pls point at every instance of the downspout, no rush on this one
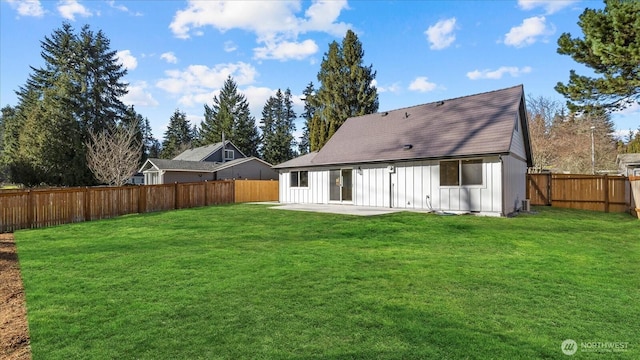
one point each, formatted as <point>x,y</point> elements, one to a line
<point>390,191</point>
<point>502,187</point>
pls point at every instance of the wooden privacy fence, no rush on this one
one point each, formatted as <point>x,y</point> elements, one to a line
<point>588,192</point>
<point>25,209</point>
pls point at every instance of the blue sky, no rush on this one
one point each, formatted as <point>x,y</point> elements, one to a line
<point>178,53</point>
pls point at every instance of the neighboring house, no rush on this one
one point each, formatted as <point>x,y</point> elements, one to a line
<point>628,164</point>
<point>468,154</point>
<point>207,163</point>
<point>136,179</point>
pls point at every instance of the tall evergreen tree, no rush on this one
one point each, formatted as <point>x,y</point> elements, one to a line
<point>610,48</point>
<point>633,145</point>
<point>277,128</point>
<point>307,116</point>
<point>7,120</point>
<point>346,89</point>
<point>178,137</point>
<point>230,115</point>
<point>77,90</point>
<point>144,135</point>
<point>50,149</point>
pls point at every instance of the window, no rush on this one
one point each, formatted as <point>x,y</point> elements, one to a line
<point>461,172</point>
<point>471,171</point>
<point>449,174</point>
<point>228,154</point>
<point>299,178</point>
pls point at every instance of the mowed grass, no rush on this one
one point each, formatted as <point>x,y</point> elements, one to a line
<point>249,282</point>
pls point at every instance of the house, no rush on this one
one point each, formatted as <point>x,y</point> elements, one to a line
<point>468,154</point>
<point>628,164</point>
<point>207,163</point>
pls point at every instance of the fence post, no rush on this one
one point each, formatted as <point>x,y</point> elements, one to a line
<point>87,204</point>
<point>176,198</point>
<point>549,189</point>
<point>206,203</point>
<point>605,188</point>
<point>29,209</point>
<point>142,199</point>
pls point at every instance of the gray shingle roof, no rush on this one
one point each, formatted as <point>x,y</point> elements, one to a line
<point>199,153</point>
<point>472,125</point>
<point>199,166</point>
<point>183,165</point>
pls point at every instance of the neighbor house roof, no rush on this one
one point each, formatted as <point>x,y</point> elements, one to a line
<point>180,165</point>
<point>201,153</point>
<point>196,166</point>
<point>628,159</point>
<point>473,125</point>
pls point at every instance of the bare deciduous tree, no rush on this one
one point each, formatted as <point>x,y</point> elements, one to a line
<point>114,154</point>
<point>562,142</point>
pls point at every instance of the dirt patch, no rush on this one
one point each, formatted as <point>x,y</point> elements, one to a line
<point>14,331</point>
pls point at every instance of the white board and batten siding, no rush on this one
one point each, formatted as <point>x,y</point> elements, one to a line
<point>416,185</point>
<point>316,193</point>
<point>412,185</point>
<point>515,172</point>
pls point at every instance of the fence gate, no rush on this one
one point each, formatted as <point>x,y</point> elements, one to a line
<point>539,189</point>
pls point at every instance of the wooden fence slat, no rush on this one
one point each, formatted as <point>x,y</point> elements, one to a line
<point>588,192</point>
<point>22,209</point>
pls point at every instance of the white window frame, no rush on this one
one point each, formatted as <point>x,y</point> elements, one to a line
<point>460,179</point>
<point>229,154</point>
<point>298,177</point>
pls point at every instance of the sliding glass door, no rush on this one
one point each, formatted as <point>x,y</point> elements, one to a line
<point>341,185</point>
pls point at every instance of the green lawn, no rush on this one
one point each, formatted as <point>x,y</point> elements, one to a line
<point>245,281</point>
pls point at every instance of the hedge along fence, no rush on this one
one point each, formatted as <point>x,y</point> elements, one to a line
<point>27,209</point>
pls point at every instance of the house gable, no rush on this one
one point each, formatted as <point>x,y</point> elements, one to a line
<point>211,153</point>
<point>470,126</point>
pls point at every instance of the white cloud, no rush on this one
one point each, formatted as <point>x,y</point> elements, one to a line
<point>497,74</point>
<point>27,7</point>
<point>322,16</point>
<point>113,4</point>
<point>169,57</point>
<point>122,8</point>
<point>286,50</point>
<point>550,6</point>
<point>257,97</point>
<point>197,83</point>
<point>528,32</point>
<point>138,95</point>
<point>393,88</point>
<point>230,46</point>
<point>68,9</point>
<point>422,84</point>
<point>631,109</point>
<point>275,23</point>
<point>441,34</point>
<point>127,60</point>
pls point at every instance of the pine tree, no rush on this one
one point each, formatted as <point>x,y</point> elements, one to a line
<point>144,134</point>
<point>77,90</point>
<point>277,128</point>
<point>307,116</point>
<point>610,48</point>
<point>346,89</point>
<point>178,136</point>
<point>633,145</point>
<point>7,120</point>
<point>50,149</point>
<point>230,115</point>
